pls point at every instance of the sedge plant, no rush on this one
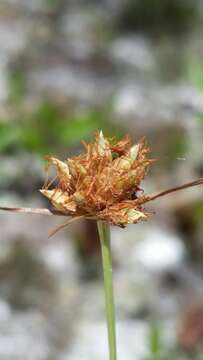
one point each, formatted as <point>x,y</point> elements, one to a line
<point>102,184</point>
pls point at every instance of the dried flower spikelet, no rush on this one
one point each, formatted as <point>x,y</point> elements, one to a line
<point>78,197</point>
<point>60,200</point>
<point>131,170</point>
<point>102,146</point>
<point>133,216</point>
<point>122,146</point>
<point>62,170</point>
<point>125,162</point>
<point>61,166</point>
<point>102,182</point>
<point>126,216</point>
<point>76,169</point>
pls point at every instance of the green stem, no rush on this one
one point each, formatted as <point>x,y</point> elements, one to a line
<point>104,234</point>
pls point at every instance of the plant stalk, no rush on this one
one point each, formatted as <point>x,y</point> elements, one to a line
<point>104,235</point>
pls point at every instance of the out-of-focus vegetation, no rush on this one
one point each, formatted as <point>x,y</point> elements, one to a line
<point>158,350</point>
<point>155,342</point>
<point>195,74</point>
<point>169,15</point>
<point>48,129</point>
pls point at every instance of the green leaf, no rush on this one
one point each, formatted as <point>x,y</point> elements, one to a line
<point>9,135</point>
<point>80,127</point>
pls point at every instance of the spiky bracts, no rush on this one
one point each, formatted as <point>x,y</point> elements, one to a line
<point>101,183</point>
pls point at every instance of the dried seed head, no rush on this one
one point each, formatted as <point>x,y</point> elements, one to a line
<point>102,182</point>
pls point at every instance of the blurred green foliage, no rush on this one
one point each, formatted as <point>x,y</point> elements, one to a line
<point>154,341</point>
<point>178,148</point>
<point>195,74</point>
<point>167,15</point>
<point>17,87</point>
<point>197,213</point>
<point>9,136</point>
<point>48,129</point>
<point>173,145</point>
<point>158,350</point>
<point>51,2</point>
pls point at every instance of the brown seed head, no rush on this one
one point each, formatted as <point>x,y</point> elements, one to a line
<point>103,182</point>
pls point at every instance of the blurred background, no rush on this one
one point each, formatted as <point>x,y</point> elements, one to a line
<point>67,69</point>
